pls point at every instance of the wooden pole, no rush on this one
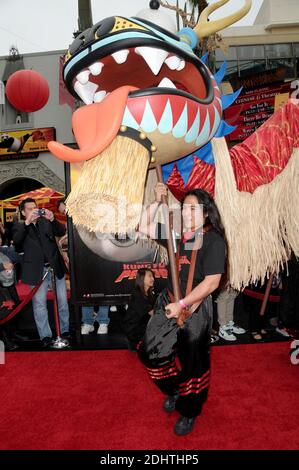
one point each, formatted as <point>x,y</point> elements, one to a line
<point>170,246</point>
<point>266,296</point>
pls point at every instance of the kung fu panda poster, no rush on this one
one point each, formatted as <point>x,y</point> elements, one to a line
<point>103,268</point>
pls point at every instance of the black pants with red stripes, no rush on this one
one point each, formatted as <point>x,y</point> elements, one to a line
<point>189,378</point>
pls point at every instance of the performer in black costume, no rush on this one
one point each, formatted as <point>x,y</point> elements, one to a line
<point>186,386</point>
<point>140,307</point>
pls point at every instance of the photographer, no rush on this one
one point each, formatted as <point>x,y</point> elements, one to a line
<point>37,235</point>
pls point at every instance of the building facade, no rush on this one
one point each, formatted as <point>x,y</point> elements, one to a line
<point>271,43</point>
<point>43,170</point>
<point>267,51</point>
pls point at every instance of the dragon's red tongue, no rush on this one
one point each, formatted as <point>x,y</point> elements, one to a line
<point>95,126</point>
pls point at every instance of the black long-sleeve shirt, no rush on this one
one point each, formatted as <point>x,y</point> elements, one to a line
<point>137,315</point>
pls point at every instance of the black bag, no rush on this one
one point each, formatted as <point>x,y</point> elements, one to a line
<point>159,342</point>
<point>158,346</point>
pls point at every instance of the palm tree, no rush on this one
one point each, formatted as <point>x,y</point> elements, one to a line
<point>198,5</point>
<point>190,18</point>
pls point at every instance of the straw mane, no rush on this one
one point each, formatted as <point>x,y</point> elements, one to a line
<point>108,195</point>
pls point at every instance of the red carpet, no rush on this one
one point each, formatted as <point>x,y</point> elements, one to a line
<point>104,400</point>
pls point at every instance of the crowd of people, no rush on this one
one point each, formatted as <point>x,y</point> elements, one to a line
<point>34,235</point>
<point>157,326</point>
<point>38,241</point>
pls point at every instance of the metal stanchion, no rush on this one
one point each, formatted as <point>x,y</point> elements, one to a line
<point>59,343</point>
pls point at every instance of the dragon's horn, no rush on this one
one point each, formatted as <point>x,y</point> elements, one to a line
<point>206,28</point>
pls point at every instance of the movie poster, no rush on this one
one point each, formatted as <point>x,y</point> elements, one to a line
<point>25,143</point>
<point>104,269</point>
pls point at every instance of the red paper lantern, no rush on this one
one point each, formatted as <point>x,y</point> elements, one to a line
<point>27,90</point>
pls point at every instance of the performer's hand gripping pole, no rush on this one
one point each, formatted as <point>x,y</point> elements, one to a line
<point>170,245</point>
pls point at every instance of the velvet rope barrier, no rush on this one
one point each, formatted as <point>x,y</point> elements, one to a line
<point>24,302</point>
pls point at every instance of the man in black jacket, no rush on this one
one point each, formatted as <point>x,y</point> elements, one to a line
<point>36,236</point>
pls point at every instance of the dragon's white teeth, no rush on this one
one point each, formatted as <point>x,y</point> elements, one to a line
<point>82,77</point>
<point>166,83</point>
<point>121,56</point>
<point>173,62</point>
<point>86,92</point>
<point>153,57</point>
<point>96,68</point>
<point>181,66</point>
<point>99,96</point>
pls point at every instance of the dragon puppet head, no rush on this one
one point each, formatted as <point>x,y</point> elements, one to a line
<point>145,83</point>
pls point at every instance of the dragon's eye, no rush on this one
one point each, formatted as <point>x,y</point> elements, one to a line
<point>104,27</point>
<point>99,29</point>
<point>77,43</point>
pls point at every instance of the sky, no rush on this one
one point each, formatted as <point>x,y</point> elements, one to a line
<point>43,25</point>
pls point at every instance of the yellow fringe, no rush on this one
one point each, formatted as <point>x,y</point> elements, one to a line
<point>107,196</point>
<point>261,228</point>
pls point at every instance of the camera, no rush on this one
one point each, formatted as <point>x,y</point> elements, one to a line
<point>41,212</point>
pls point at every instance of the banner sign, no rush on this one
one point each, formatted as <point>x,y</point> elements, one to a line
<point>252,108</point>
<point>25,142</point>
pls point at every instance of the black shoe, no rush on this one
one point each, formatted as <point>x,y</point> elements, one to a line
<point>20,337</point>
<point>10,345</point>
<point>214,339</point>
<point>183,425</point>
<point>66,335</point>
<point>169,403</point>
<point>46,342</point>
